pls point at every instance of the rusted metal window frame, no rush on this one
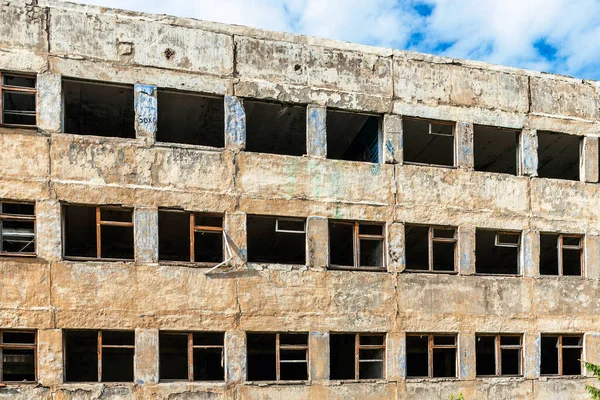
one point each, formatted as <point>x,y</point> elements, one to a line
<point>430,348</point>
<point>190,355</point>
<point>279,347</point>
<point>19,217</point>
<point>560,351</point>
<point>21,89</point>
<point>102,346</point>
<point>561,247</point>
<point>356,238</point>
<point>19,346</point>
<point>358,360</point>
<point>431,122</point>
<point>498,347</point>
<point>431,239</point>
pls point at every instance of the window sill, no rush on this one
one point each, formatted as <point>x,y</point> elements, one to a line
<point>425,271</point>
<point>97,139</point>
<point>187,264</point>
<point>278,383</point>
<point>258,266</point>
<point>19,255</point>
<point>426,379</point>
<point>201,147</point>
<point>357,381</point>
<point>10,383</point>
<point>101,260</point>
<point>348,268</point>
<point>487,275</point>
<point>418,164</point>
<point>188,382</point>
<point>553,377</point>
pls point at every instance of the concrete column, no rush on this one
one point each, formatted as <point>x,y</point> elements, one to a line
<point>318,348</point>
<point>235,123</point>
<point>531,350</point>
<point>591,255</point>
<point>145,226</point>
<point>49,102</point>
<point>589,159</point>
<point>236,232</point>
<point>48,230</point>
<point>528,152</point>
<point>466,250</point>
<point>591,350</point>
<point>317,233</point>
<point>464,146</point>
<point>146,112</point>
<point>530,253</point>
<point>466,356</point>
<point>50,357</point>
<point>146,356</point>
<point>316,135</point>
<point>396,356</point>
<point>392,139</point>
<point>396,259</point>
<point>235,356</point>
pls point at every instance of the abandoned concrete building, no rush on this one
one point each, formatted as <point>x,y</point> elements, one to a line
<point>192,210</point>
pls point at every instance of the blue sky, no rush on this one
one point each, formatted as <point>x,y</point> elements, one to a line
<point>559,36</point>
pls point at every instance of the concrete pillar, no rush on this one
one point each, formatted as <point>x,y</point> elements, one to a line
<point>317,233</point>
<point>591,350</point>
<point>235,356</point>
<point>589,159</point>
<point>531,349</point>
<point>146,356</point>
<point>466,250</point>
<point>235,123</point>
<point>591,256</point>
<point>50,357</point>
<point>318,348</point>
<point>528,152</point>
<point>396,356</point>
<point>464,146</point>
<point>145,226</point>
<point>530,253</point>
<point>316,135</point>
<point>146,112</point>
<point>396,259</point>
<point>236,232</point>
<point>466,356</point>
<point>392,139</point>
<point>49,102</point>
<point>48,230</point>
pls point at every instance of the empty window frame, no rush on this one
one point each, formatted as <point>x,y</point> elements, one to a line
<point>428,142</point>
<point>275,128</point>
<point>355,356</point>
<point>18,100</point>
<point>278,240</point>
<point>431,355</point>
<point>94,232</point>
<point>277,356</point>
<point>561,254</point>
<point>497,252</point>
<point>191,356</point>
<point>353,136</point>
<point>496,149</point>
<point>499,355</point>
<point>558,155</point>
<point>98,108</point>
<point>354,245</point>
<point>190,237</point>
<point>18,356</point>
<point>17,229</point>
<point>191,118</point>
<point>99,356</point>
<point>561,354</point>
<point>430,248</point>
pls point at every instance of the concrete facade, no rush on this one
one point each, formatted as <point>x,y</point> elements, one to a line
<point>49,294</point>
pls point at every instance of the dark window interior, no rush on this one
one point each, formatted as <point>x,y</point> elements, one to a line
<point>18,365</point>
<point>417,247</point>
<point>558,155</point>
<point>549,356</point>
<point>444,359</point>
<point>81,356</point>
<point>18,107</point>
<point>209,361</point>
<point>492,259</point>
<point>571,258</point>
<point>173,236</point>
<point>371,253</point>
<point>371,360</point>
<point>485,355</point>
<point>549,250</point>
<point>98,109</point>
<point>342,348</point>
<point>293,365</point>
<point>341,244</point>
<point>495,149</point>
<point>352,136</point>
<point>423,147</point>
<point>190,119</point>
<point>265,245</point>
<point>261,357</point>
<point>417,356</point>
<point>17,236</point>
<point>275,128</point>
<point>510,360</point>
<point>117,363</point>
<point>173,356</point>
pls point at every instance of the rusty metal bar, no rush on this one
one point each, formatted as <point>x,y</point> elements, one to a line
<point>16,217</point>
<point>192,236</point>
<point>357,355</point>
<point>98,234</point>
<point>356,241</point>
<point>117,223</point>
<point>498,351</point>
<point>430,356</point>
<point>277,357</point>
<point>560,358</point>
<point>201,228</point>
<point>190,356</point>
<point>99,356</point>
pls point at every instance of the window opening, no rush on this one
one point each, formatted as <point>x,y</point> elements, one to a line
<point>192,356</point>
<point>499,355</point>
<point>276,240</point>
<point>354,245</point>
<point>561,354</point>
<point>18,356</point>
<point>496,149</point>
<point>17,229</point>
<point>497,252</point>
<point>353,136</point>
<point>561,254</point>
<point>558,155</point>
<point>430,356</point>
<point>18,100</point>
<point>428,142</point>
<point>277,356</point>
<point>430,248</point>
<point>355,356</point>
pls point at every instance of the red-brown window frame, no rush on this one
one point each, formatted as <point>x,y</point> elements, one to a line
<point>358,347</point>
<point>19,346</point>
<point>20,217</point>
<point>431,346</point>
<point>498,347</point>
<point>356,238</point>
<point>9,88</point>
<point>431,239</point>
<point>561,247</point>
<point>203,228</point>
<point>560,351</point>
<point>190,355</point>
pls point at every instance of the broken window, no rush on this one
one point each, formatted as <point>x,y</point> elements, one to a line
<point>275,128</point>
<point>17,229</point>
<point>495,149</point>
<point>99,356</point>
<point>191,356</point>
<point>277,356</point>
<point>357,355</point>
<point>353,136</point>
<point>99,109</point>
<point>497,252</point>
<point>499,355</point>
<point>356,245</point>
<point>190,118</point>
<point>18,356</point>
<point>431,356</point>
<point>430,248</point>
<point>276,240</point>
<point>558,155</point>
<point>561,354</point>
<point>561,254</point>
<point>92,232</point>
<point>190,237</point>
<point>428,142</point>
<point>18,100</point>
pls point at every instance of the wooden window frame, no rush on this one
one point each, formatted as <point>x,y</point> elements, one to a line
<point>102,346</point>
<point>279,347</point>
<point>18,89</point>
<point>560,351</point>
<point>562,247</point>
<point>431,239</point>
<point>431,346</point>
<point>358,347</point>
<point>19,346</point>
<point>204,229</point>
<point>498,347</point>
<point>190,355</point>
<point>356,238</point>
<point>19,217</point>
